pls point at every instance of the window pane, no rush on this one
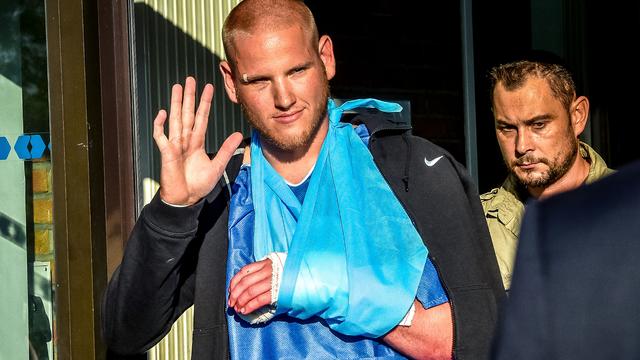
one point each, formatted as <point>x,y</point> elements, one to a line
<point>26,223</point>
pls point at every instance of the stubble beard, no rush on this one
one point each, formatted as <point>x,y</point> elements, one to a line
<point>296,142</point>
<point>558,167</point>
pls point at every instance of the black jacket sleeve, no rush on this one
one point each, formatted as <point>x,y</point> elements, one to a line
<point>155,282</point>
<point>444,204</point>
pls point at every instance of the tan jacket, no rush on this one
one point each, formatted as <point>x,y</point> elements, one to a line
<point>504,208</point>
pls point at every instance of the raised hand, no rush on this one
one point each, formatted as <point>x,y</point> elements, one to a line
<point>187,174</point>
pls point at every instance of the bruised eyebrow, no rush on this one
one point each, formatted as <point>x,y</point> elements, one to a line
<point>248,79</point>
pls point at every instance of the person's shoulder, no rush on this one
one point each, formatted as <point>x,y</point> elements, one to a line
<point>386,125</point>
<point>430,148</point>
<point>622,186</point>
<point>629,172</point>
<point>496,199</point>
<point>376,121</point>
<point>503,198</point>
<point>624,178</point>
<point>598,168</point>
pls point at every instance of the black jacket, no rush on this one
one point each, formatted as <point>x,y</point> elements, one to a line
<point>176,257</point>
<point>576,283</point>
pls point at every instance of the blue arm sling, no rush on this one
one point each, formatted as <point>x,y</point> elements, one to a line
<point>354,257</point>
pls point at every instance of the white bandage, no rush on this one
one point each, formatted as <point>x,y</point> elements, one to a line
<point>267,312</point>
<point>259,316</point>
<point>277,268</point>
<point>408,318</point>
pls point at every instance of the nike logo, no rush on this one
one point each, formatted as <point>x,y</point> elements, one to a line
<point>430,163</point>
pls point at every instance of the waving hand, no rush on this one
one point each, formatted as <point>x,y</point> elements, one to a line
<point>187,173</point>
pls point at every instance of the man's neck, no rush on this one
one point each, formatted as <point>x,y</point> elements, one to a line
<point>294,165</point>
<point>575,177</point>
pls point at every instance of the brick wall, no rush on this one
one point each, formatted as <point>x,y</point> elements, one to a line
<point>41,243</point>
<point>42,210</point>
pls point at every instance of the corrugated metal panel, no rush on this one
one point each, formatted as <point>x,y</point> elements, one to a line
<point>173,39</point>
<point>177,344</point>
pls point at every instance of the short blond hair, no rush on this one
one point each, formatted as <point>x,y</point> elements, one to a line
<point>250,16</point>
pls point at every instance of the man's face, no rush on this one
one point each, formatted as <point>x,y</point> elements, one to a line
<point>282,85</point>
<point>535,133</point>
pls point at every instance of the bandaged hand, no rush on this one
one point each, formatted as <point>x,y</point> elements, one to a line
<point>253,291</point>
<point>408,318</point>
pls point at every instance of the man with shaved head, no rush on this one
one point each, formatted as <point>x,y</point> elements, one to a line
<point>321,236</point>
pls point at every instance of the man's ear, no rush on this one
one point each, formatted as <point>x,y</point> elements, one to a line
<point>579,114</point>
<point>229,85</point>
<point>325,49</point>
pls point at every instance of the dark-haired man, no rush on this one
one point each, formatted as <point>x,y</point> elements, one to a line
<point>538,118</point>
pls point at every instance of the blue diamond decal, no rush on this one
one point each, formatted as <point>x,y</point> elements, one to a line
<point>37,146</point>
<point>5,148</point>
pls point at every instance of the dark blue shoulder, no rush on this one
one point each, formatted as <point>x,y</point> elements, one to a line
<point>376,120</point>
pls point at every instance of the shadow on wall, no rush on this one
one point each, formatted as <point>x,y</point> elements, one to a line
<point>12,231</point>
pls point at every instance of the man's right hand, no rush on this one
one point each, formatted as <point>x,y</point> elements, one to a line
<point>187,174</point>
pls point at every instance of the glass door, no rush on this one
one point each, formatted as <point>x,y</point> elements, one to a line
<point>26,223</point>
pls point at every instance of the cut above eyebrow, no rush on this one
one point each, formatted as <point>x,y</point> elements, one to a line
<point>247,79</point>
